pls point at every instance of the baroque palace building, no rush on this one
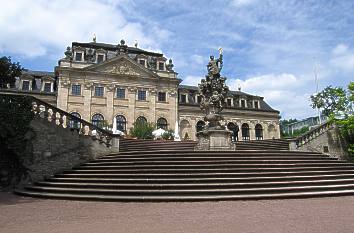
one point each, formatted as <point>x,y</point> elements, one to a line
<point>105,83</point>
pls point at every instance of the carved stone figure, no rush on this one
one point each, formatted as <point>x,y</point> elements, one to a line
<point>68,53</point>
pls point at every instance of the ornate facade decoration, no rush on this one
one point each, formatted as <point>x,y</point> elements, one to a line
<point>123,68</point>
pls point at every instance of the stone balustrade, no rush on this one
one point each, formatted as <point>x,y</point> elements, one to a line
<point>310,135</point>
<point>61,118</point>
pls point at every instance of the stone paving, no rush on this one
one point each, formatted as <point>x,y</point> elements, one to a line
<point>22,214</point>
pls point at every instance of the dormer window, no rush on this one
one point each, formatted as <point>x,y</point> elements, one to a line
<point>78,56</point>
<point>161,66</point>
<point>256,104</point>
<point>199,99</point>
<point>100,58</point>
<point>228,102</point>
<point>243,103</point>
<point>142,62</point>
<point>183,98</point>
<point>25,85</point>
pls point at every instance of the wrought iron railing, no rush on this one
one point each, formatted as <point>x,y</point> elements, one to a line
<point>310,135</point>
<point>62,118</point>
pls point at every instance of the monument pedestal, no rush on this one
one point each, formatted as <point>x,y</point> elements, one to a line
<point>214,139</point>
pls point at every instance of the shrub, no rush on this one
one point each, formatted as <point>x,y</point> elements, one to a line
<point>142,130</point>
<point>168,135</point>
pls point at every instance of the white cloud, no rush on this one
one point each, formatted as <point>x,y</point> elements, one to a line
<point>197,59</point>
<point>32,28</point>
<point>343,58</point>
<point>285,92</point>
<point>191,80</point>
<point>241,3</point>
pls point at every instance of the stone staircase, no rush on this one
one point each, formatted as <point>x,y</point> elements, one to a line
<point>269,144</point>
<point>151,171</point>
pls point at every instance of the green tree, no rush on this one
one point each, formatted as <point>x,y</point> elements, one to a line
<point>8,72</point>
<point>332,100</point>
<point>142,130</point>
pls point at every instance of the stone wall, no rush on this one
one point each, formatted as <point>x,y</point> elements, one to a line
<point>329,142</point>
<point>55,149</point>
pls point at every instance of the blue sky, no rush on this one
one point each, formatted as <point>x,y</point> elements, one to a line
<point>270,47</point>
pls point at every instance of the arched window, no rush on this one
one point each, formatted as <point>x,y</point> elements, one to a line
<point>121,123</point>
<point>162,123</point>
<point>259,132</point>
<point>200,125</point>
<point>245,132</point>
<point>141,120</point>
<point>97,120</point>
<point>74,124</point>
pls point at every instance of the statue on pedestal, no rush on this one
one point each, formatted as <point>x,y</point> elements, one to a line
<point>213,89</point>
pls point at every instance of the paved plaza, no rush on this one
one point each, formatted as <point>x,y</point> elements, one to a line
<point>23,214</point>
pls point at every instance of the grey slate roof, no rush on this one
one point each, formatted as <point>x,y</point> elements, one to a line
<point>39,73</point>
<point>263,105</point>
<point>112,47</point>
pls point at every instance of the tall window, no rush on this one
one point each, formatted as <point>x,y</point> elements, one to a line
<point>98,120</point>
<point>228,102</point>
<point>200,125</point>
<point>121,123</point>
<point>78,57</point>
<point>73,123</point>
<point>142,62</point>
<point>99,91</point>
<point>162,123</point>
<point>47,87</point>
<point>120,93</point>
<point>161,66</point>
<point>243,103</point>
<point>199,99</point>
<point>245,132</point>
<point>141,95</point>
<point>141,119</point>
<point>25,85</point>
<point>183,98</point>
<point>76,89</point>
<point>162,96</point>
<point>259,132</point>
<point>256,104</point>
<point>100,58</point>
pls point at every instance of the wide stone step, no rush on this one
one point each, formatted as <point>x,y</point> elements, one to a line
<point>209,180</point>
<point>191,171</point>
<point>220,185</point>
<point>195,176</point>
<point>201,192</point>
<point>220,197</point>
<point>190,158</point>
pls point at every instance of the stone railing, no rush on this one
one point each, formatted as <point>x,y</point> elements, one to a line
<point>61,118</point>
<point>310,135</point>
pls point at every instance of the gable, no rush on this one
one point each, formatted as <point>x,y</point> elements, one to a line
<point>121,65</point>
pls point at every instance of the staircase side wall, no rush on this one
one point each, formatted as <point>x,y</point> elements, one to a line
<point>54,149</point>
<point>329,142</point>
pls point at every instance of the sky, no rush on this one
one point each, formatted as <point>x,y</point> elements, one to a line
<point>272,48</point>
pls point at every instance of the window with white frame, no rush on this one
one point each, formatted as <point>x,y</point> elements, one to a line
<point>161,66</point>
<point>99,91</point>
<point>78,56</point>
<point>100,58</point>
<point>47,87</point>
<point>256,104</point>
<point>141,95</point>
<point>25,85</point>
<point>76,89</point>
<point>243,103</point>
<point>120,93</point>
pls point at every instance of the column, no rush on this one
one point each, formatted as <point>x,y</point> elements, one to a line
<point>109,103</point>
<point>87,93</point>
<point>131,95</point>
<point>152,105</point>
<point>63,93</point>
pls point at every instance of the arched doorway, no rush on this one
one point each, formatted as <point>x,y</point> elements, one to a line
<point>200,126</point>
<point>231,126</point>
<point>121,123</point>
<point>259,132</point>
<point>245,132</point>
<point>161,123</point>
